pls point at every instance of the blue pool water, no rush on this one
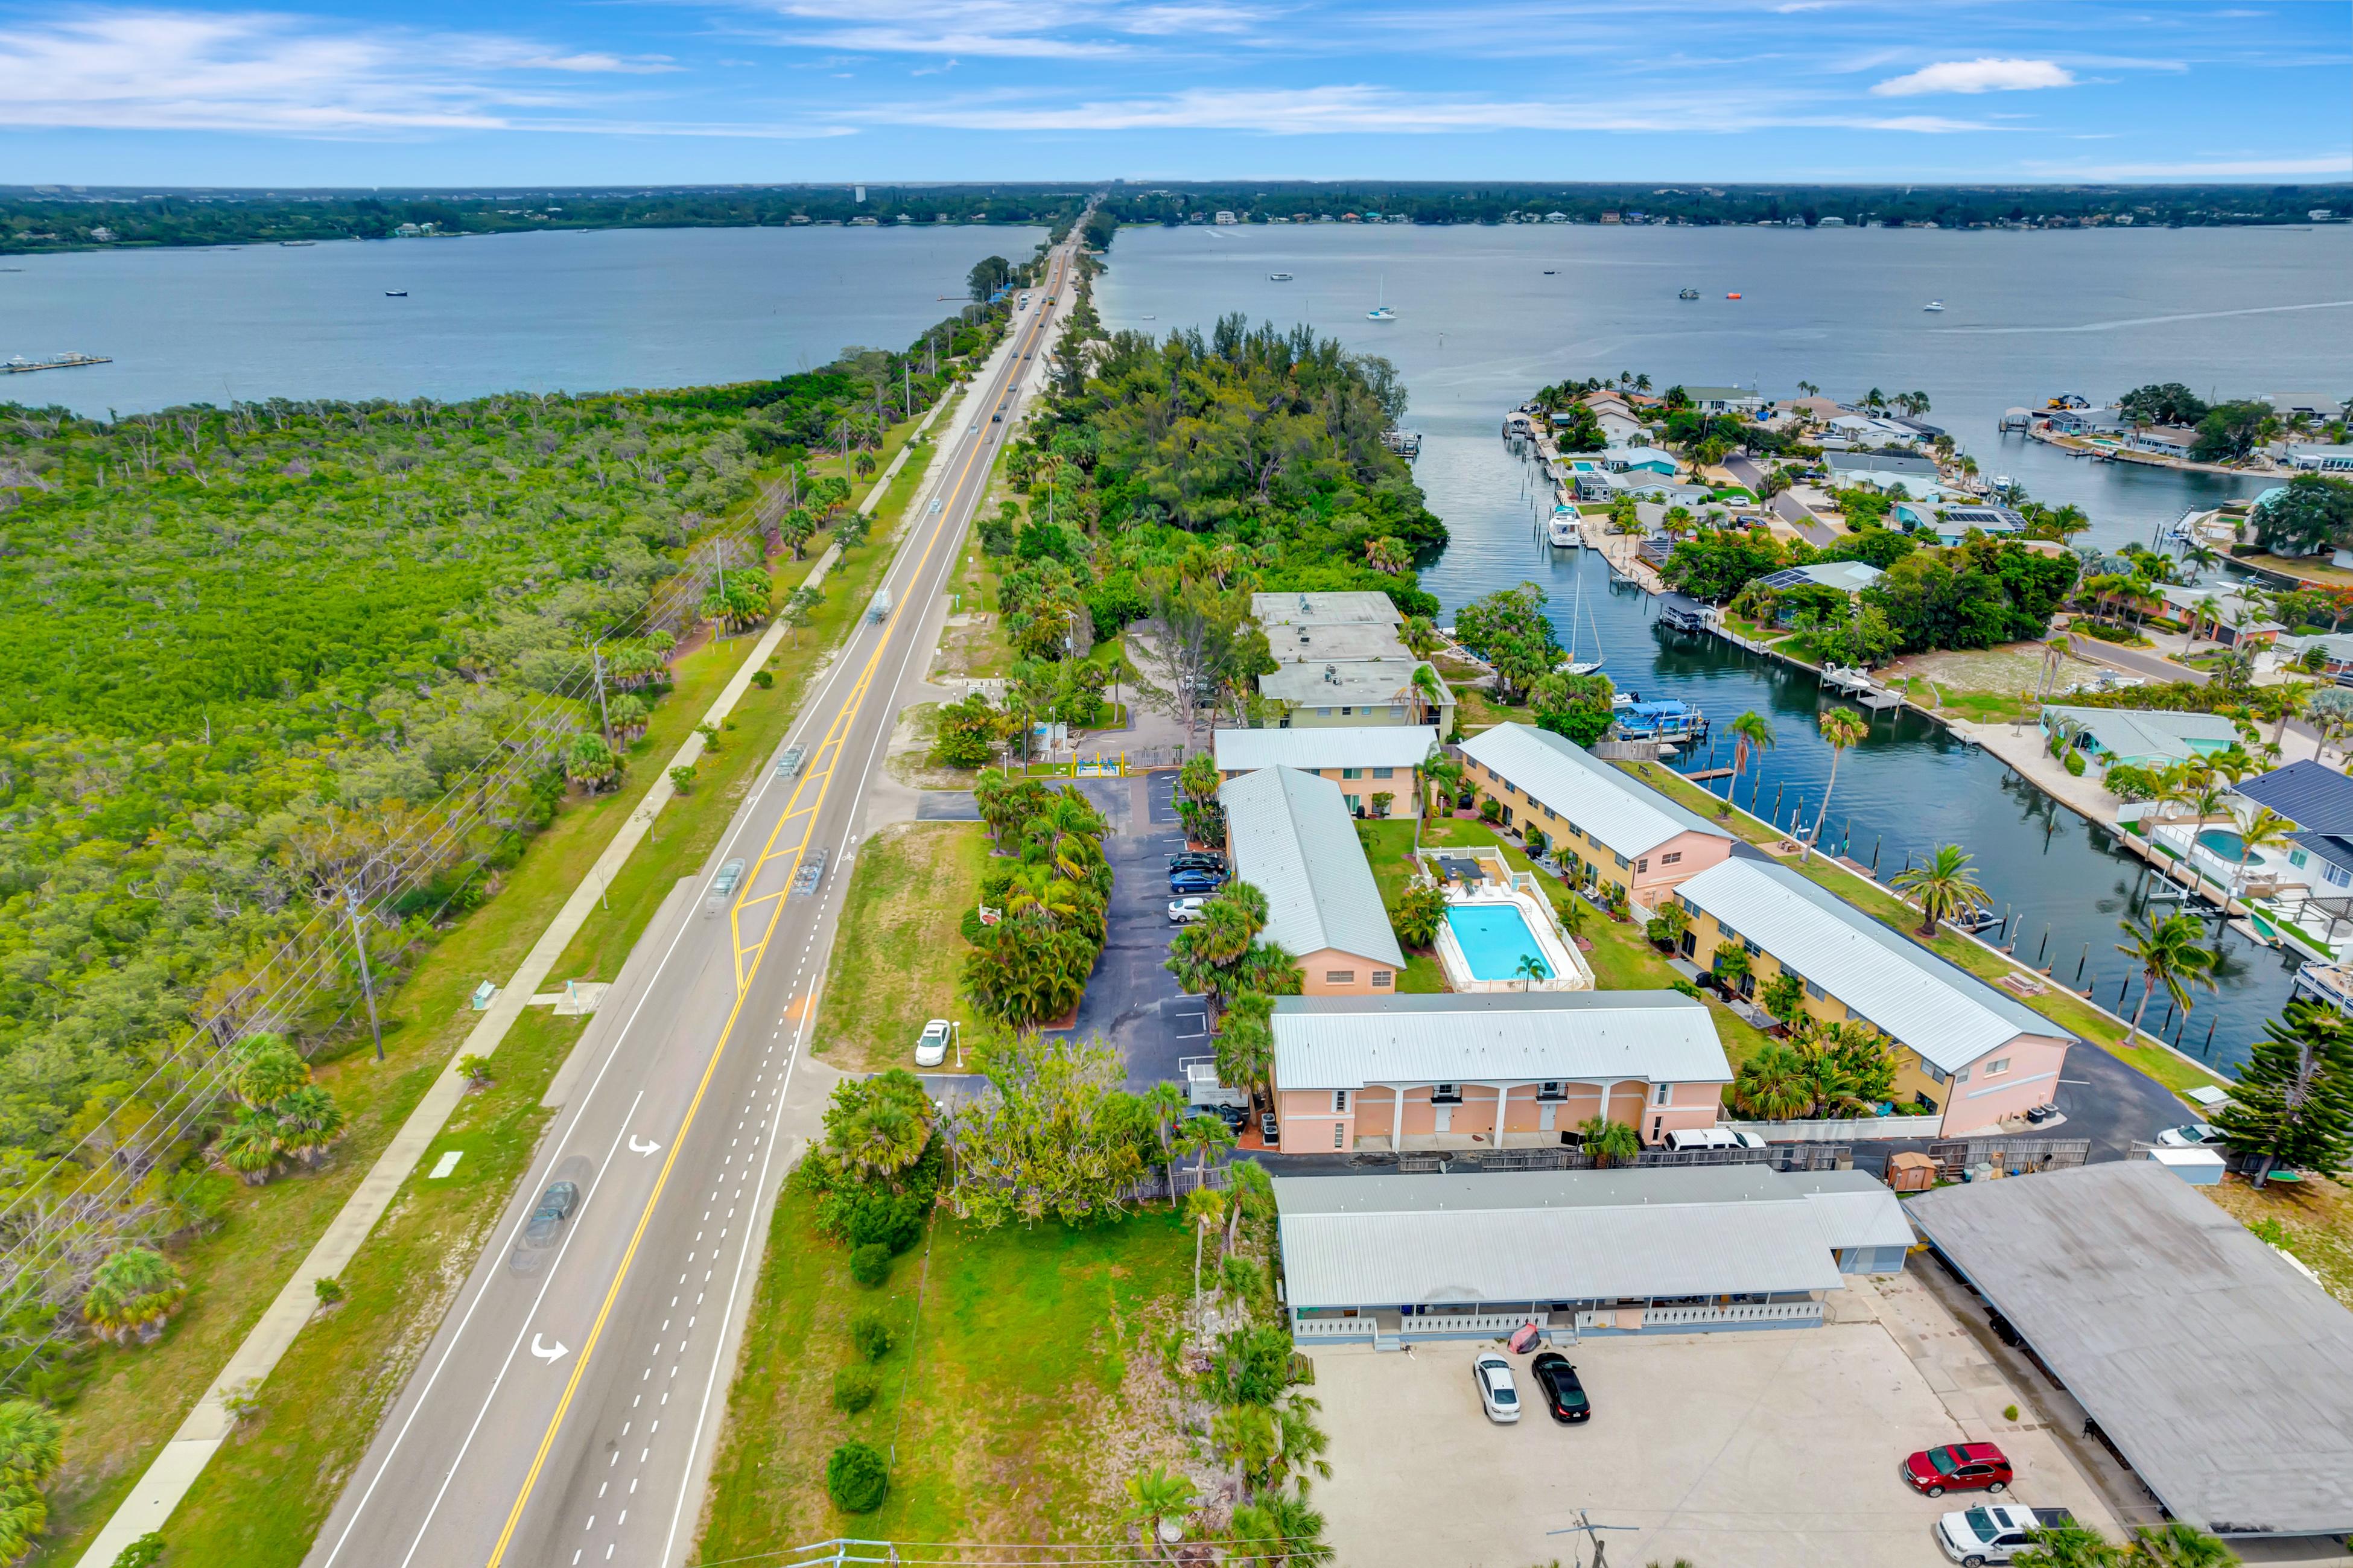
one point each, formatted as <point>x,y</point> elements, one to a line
<point>2222,841</point>
<point>1493,937</point>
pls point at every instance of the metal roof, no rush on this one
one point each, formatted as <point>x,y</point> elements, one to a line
<point>2308,795</point>
<point>1517,1037</point>
<point>1876,463</point>
<point>1855,1208</point>
<point>2224,1376</point>
<point>1622,813</point>
<point>2148,733</point>
<point>1293,839</point>
<point>1949,1016</point>
<point>1327,746</point>
<point>1852,576</point>
<point>1549,1235</point>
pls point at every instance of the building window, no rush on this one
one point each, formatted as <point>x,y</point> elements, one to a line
<point>1352,773</point>
<point>1814,991</point>
<point>1446,1094</point>
<point>1724,930</point>
<point>1665,1095</point>
<point>1353,805</point>
<point>1934,1073</point>
<point>1383,979</point>
<point>1339,1135</point>
<point>1754,950</point>
<point>1671,858</point>
<point>1339,1102</point>
<point>1346,711</point>
<point>2297,857</point>
<point>1397,709</point>
<point>1996,1067</point>
<point>1619,858</point>
<point>1339,977</point>
<point>1643,864</point>
<point>1551,1089</point>
<point>1322,712</point>
<point>1385,772</point>
<point>1507,816</point>
<point>2337,875</point>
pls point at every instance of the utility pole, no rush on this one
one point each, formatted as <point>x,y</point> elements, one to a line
<point>596,664</point>
<point>367,980</point>
<point>1592,1532</point>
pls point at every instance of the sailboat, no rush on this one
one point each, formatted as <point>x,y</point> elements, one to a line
<point>1380,310</point>
<point>1573,665</point>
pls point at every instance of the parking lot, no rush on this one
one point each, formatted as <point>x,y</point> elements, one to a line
<point>1768,1450</point>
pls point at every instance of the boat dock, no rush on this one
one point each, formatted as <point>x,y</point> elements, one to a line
<point>54,361</point>
<point>1406,444</point>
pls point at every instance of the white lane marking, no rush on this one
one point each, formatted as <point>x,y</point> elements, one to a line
<point>549,1353</point>
<point>642,1146</point>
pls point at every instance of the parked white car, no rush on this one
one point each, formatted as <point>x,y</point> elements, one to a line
<point>2190,1135</point>
<point>1499,1396</point>
<point>932,1046</point>
<point>1995,1532</point>
<point>1185,911</point>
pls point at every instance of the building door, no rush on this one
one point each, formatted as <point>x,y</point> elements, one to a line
<point>1445,1117</point>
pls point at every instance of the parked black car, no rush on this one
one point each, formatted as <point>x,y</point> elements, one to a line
<point>1562,1395</point>
<point>1198,861</point>
<point>555,1206</point>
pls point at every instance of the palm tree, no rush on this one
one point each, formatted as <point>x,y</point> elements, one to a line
<point>131,1296</point>
<point>1205,1207</point>
<point>1245,1044</point>
<point>2267,829</point>
<point>1530,969</point>
<point>1164,1103</point>
<point>248,1146</point>
<point>1841,728</point>
<point>1202,1136</point>
<point>1426,687</point>
<point>309,1121</point>
<point>1752,736</point>
<point>1770,1085</point>
<point>1609,1141</point>
<point>1945,885</point>
<point>1300,1446</point>
<point>1280,1532</point>
<point>2294,697</point>
<point>2178,1544</point>
<point>2168,953</point>
<point>1154,1496</point>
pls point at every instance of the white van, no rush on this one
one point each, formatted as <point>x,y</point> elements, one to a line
<point>1684,1140</point>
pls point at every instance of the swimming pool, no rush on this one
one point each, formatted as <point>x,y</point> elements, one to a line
<point>1493,938</point>
<point>2221,841</point>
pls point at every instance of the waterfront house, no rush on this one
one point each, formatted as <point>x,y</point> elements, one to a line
<point>1393,1260</point>
<point>1447,1071</point>
<point>2086,421</point>
<point>1291,837</point>
<point>2320,459</point>
<point>1640,459</point>
<point>1725,399</point>
<point>1620,428</point>
<point>1970,1055</point>
<point>2319,801</point>
<point>1914,477</point>
<point>2318,407</point>
<point>1611,830</point>
<point>2164,440</point>
<point>2145,737</point>
<point>1344,661</point>
<point>2223,614</point>
<point>1949,525</point>
<point>1367,761</point>
<point>1848,577</point>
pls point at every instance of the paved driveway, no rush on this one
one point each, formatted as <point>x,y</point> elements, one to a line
<point>1768,1450</point>
<point>1131,1000</point>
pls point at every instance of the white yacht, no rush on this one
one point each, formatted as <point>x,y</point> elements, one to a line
<point>1563,530</point>
<point>1934,305</point>
<point>1278,276</point>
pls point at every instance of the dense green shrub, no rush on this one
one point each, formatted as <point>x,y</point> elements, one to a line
<point>871,1265</point>
<point>854,1388</point>
<point>871,1332</point>
<point>856,1479</point>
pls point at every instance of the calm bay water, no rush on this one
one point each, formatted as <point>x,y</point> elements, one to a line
<point>1481,325</point>
<point>536,313</point>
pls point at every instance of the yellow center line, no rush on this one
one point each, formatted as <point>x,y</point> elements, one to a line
<point>836,735</point>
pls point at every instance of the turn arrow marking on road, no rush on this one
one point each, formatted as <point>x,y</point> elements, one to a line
<point>642,1145</point>
<point>547,1353</point>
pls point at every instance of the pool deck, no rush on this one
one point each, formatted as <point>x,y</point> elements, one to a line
<point>1569,969</point>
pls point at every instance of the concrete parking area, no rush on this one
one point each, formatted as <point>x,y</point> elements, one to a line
<point>1767,1449</point>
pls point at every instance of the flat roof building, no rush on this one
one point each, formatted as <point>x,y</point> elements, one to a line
<point>1447,1071</point>
<point>2220,1374</point>
<point>1292,838</point>
<point>1970,1054</point>
<point>1343,661</point>
<point>1659,1249</point>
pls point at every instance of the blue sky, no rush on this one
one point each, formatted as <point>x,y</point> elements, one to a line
<point>343,93</point>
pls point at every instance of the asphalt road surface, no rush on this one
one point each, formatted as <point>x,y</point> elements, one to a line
<point>566,1411</point>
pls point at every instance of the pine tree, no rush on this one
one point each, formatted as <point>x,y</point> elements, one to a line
<point>2294,1102</point>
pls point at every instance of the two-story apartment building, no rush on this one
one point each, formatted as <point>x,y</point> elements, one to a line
<point>1498,1069</point>
<point>1626,836</point>
<point>1341,659</point>
<point>1970,1054</point>
<point>1368,762</point>
<point>1293,839</point>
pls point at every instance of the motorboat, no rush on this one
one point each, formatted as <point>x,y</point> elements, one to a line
<point>1278,276</point>
<point>1550,272</point>
<point>396,293</point>
<point>1934,305</point>
<point>1563,530</point>
<point>1688,294</point>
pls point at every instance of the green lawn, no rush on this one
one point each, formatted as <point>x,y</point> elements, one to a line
<point>311,1422</point>
<point>1030,1388</point>
<point>1623,959</point>
<point>2062,1006</point>
<point>897,953</point>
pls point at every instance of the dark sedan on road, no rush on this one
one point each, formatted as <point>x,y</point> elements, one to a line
<point>1562,1395</point>
<point>555,1206</point>
<point>1198,861</point>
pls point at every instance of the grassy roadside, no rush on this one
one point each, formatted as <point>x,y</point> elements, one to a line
<point>1622,958</point>
<point>2056,1003</point>
<point>1015,1408</point>
<point>139,1396</point>
<point>897,952</point>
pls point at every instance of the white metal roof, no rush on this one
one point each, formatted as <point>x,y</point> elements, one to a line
<point>1855,1208</point>
<point>1625,815</point>
<point>1293,839</point>
<point>1950,1017</point>
<point>1327,746</point>
<point>1524,1036</point>
<point>1549,1235</point>
<point>2148,733</point>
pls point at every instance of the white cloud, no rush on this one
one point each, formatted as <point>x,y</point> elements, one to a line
<point>1987,75</point>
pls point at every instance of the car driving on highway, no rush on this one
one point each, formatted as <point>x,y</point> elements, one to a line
<point>546,1222</point>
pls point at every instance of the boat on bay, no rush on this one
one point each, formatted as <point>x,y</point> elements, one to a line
<point>1688,294</point>
<point>1934,305</point>
<point>1380,310</point>
<point>1278,276</point>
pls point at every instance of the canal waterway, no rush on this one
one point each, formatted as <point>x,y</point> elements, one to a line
<point>1482,324</point>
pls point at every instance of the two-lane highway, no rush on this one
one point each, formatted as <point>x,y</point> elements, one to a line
<point>564,1413</point>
